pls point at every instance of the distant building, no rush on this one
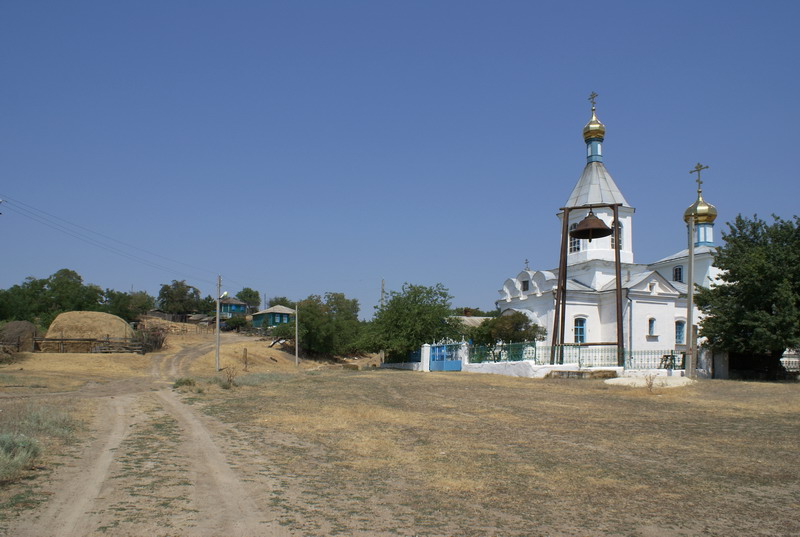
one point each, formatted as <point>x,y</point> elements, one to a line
<point>232,307</point>
<point>273,316</point>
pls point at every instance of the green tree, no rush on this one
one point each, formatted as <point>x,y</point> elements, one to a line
<point>41,300</point>
<point>755,310</point>
<point>510,328</point>
<point>415,315</point>
<point>207,305</point>
<point>179,297</point>
<point>129,306</point>
<point>66,292</point>
<point>236,322</point>
<point>281,301</point>
<point>329,325</point>
<point>475,312</point>
<point>249,296</point>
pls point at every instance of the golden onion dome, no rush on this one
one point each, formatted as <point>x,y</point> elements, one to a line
<point>702,211</point>
<point>594,129</point>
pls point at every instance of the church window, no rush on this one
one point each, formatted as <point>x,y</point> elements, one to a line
<point>680,332</point>
<point>525,285</point>
<point>620,238</point>
<point>677,274</point>
<point>574,244</point>
<point>651,327</point>
<point>580,330</point>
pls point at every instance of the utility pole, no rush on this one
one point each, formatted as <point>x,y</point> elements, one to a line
<point>216,345</point>
<point>296,332</point>
<point>383,292</point>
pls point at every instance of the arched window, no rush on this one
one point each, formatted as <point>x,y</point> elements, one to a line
<point>680,332</point>
<point>621,242</point>
<point>651,327</point>
<point>677,274</point>
<point>580,330</point>
<point>574,244</point>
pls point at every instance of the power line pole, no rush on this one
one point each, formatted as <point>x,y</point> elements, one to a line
<point>383,291</point>
<point>216,345</point>
<point>296,331</point>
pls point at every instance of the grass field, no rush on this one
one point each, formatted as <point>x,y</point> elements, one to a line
<point>394,452</point>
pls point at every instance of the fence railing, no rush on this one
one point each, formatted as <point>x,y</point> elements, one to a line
<point>580,355</point>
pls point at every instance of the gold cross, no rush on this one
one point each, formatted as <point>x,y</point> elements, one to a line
<point>592,97</point>
<point>697,169</point>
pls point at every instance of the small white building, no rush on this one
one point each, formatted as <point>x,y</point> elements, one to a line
<point>654,294</point>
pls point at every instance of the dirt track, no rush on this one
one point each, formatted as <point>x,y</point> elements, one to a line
<point>153,466</point>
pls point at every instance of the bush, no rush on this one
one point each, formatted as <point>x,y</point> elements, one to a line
<point>152,339</point>
<point>17,453</point>
<point>183,382</point>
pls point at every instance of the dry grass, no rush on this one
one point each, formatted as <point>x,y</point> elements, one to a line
<point>56,372</point>
<point>260,358</point>
<point>54,426</point>
<point>459,454</point>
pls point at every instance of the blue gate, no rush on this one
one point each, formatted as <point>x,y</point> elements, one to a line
<point>445,357</point>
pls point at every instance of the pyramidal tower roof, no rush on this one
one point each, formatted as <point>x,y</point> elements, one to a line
<point>595,185</point>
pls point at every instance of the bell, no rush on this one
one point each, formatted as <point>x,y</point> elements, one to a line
<point>590,228</point>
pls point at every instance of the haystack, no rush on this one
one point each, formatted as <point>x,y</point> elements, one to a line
<point>84,325</point>
<point>18,334</point>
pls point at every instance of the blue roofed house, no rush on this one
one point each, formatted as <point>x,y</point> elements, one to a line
<point>272,317</point>
<point>232,307</point>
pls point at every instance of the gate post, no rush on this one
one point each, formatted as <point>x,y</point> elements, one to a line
<point>425,357</point>
<point>464,351</point>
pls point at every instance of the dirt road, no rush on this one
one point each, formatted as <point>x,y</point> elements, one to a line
<point>153,467</point>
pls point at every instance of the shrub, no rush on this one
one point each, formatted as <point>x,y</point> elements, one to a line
<point>183,382</point>
<point>17,453</point>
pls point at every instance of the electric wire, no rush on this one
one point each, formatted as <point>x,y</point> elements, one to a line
<point>73,224</point>
<point>52,221</point>
<point>102,246</point>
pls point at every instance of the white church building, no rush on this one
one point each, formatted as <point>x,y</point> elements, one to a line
<point>654,295</point>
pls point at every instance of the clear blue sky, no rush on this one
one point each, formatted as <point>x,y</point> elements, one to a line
<point>304,147</point>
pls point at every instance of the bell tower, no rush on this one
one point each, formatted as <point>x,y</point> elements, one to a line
<point>596,187</point>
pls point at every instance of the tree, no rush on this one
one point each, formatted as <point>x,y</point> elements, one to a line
<point>755,309</point>
<point>249,296</point>
<point>328,326</point>
<point>510,328</point>
<point>179,297</point>
<point>128,306</point>
<point>475,312</point>
<point>415,315</point>
<point>280,301</point>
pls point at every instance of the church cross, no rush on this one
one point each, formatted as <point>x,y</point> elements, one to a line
<point>526,265</point>
<point>697,169</point>
<point>592,97</point>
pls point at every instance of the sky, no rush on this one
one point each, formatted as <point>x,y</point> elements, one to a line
<point>305,147</point>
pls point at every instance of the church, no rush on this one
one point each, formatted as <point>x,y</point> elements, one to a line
<point>654,295</point>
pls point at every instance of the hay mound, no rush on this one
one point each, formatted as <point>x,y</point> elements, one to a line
<point>18,333</point>
<point>84,325</point>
